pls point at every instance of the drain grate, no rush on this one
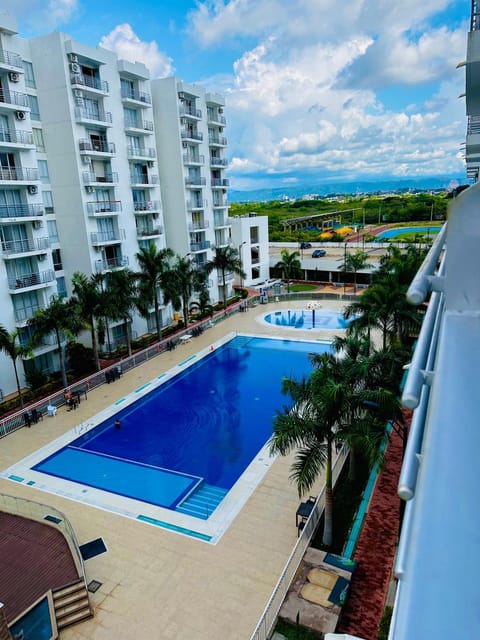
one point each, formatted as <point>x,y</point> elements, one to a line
<point>94,585</point>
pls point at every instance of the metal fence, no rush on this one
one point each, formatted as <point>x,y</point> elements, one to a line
<point>270,614</point>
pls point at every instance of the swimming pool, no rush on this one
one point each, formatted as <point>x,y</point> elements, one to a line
<point>185,438</point>
<point>392,233</point>
<point>307,319</point>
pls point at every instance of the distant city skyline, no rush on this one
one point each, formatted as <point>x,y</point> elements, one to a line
<point>315,90</point>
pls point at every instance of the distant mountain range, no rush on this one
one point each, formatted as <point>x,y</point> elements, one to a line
<point>346,188</point>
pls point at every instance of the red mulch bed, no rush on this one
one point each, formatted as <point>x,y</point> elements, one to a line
<point>375,551</point>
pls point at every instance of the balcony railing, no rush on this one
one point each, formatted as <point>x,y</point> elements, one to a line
<point>21,210</point>
<point>19,173</point>
<point>31,280</point>
<point>147,206</point>
<point>90,82</point>
<point>107,206</point>
<point>10,58</point>
<point>98,146</point>
<point>220,203</point>
<point>138,96</point>
<point>90,178</point>
<point>81,113</point>
<point>197,226</point>
<point>146,125</point>
<point>191,135</point>
<point>190,111</point>
<point>200,246</point>
<point>25,313</point>
<point>16,137</point>
<point>220,140</point>
<point>141,152</point>
<point>111,263</point>
<point>104,237</point>
<point>25,245</point>
<point>213,117</point>
<point>473,125</point>
<point>148,232</point>
<point>142,178</point>
<point>220,182</point>
<point>221,222</point>
<point>195,205</point>
<point>229,276</point>
<point>14,97</point>
<point>218,162</point>
<point>195,181</point>
<point>190,158</point>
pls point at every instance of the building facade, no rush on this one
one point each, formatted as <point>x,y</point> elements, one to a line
<point>89,147</point>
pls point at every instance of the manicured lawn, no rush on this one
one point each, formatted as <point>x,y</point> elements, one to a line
<point>296,288</point>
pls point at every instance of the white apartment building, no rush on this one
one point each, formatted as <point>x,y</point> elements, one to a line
<point>86,154</point>
<point>192,174</point>
<point>250,238</point>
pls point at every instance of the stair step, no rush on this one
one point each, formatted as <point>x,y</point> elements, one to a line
<point>75,586</point>
<point>202,502</point>
<point>70,604</point>
<point>83,614</point>
<point>61,612</point>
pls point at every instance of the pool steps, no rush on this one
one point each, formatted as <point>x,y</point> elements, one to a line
<point>202,502</point>
<point>71,604</point>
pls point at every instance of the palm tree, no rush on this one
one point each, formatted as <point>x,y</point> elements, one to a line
<point>290,266</point>
<point>154,264</point>
<point>8,344</point>
<point>122,292</point>
<point>354,262</point>
<point>183,280</point>
<point>88,300</point>
<point>226,260</point>
<point>59,318</point>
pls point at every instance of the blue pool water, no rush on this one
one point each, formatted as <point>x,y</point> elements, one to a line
<point>195,433</point>
<point>392,233</point>
<point>35,624</point>
<point>307,319</point>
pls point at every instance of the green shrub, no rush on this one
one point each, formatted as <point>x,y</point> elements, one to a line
<point>80,359</point>
<point>385,623</point>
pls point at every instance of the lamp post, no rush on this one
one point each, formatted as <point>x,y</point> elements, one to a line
<point>344,267</point>
<point>241,261</point>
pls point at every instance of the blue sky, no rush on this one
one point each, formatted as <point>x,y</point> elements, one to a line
<point>316,90</point>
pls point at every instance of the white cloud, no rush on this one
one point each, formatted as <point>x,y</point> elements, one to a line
<point>128,46</point>
<point>38,14</point>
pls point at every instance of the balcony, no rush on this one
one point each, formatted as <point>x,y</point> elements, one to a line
<point>150,232</point>
<point>216,118</point>
<point>89,177</point>
<point>142,180</point>
<point>190,112</point>
<point>219,182</point>
<point>196,205</point>
<point>111,263</point>
<point>217,141</point>
<point>132,95</point>
<point>13,138</point>
<point>195,181</point>
<point>14,98</point>
<point>229,276</point>
<point>218,162</point>
<point>193,136</point>
<point>37,280</point>
<point>18,174</point>
<point>91,116</point>
<point>89,82</point>
<point>144,127</point>
<point>219,203</point>
<point>8,212</point>
<point>146,206</point>
<point>11,248</point>
<point>140,153</point>
<point>25,313</point>
<point>107,237</point>
<point>200,246</point>
<point>10,59</point>
<point>198,225</point>
<point>100,209</point>
<point>190,158</point>
<point>221,221</point>
<point>96,147</point>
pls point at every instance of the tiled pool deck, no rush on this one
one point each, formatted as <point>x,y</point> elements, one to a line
<point>155,582</point>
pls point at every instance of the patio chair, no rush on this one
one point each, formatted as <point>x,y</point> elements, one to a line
<point>51,410</point>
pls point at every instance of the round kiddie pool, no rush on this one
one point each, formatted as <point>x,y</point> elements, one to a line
<point>314,318</point>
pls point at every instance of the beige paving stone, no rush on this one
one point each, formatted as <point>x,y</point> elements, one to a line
<point>156,583</point>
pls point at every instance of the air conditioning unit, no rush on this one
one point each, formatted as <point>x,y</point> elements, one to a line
<point>185,145</point>
<point>14,76</point>
<point>150,164</point>
<point>20,115</point>
<point>75,67</point>
<point>42,257</point>
<point>78,93</point>
<point>37,224</point>
<point>32,189</point>
<point>220,110</point>
<point>181,95</point>
<point>86,160</point>
<point>90,189</point>
<point>73,57</point>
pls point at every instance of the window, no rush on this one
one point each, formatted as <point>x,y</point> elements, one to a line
<point>52,230</point>
<point>61,287</point>
<point>43,171</point>
<point>57,259</point>
<point>29,76</point>
<point>38,139</point>
<point>128,88</point>
<point>130,117</point>
<point>34,108</point>
<point>47,201</point>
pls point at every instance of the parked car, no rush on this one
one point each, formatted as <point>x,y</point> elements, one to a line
<point>319,253</point>
<point>305,245</point>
